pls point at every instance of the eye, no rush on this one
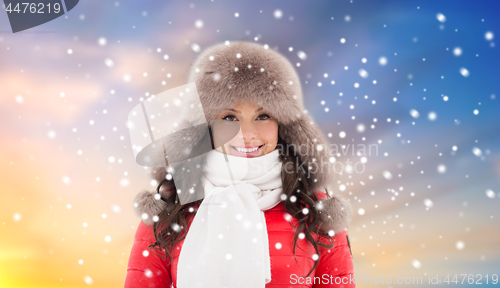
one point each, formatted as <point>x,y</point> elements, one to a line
<point>229,118</point>
<point>263,117</point>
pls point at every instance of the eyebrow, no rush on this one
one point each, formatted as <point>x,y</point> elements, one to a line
<point>237,111</point>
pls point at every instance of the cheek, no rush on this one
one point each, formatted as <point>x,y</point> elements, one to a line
<point>269,133</point>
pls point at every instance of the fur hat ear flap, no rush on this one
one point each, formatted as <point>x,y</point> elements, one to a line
<point>148,205</point>
<point>336,214</point>
<point>311,148</point>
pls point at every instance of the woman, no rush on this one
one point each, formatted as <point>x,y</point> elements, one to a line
<point>264,187</point>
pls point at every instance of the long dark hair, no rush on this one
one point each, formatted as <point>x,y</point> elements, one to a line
<point>170,228</point>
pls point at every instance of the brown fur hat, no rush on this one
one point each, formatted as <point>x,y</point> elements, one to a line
<point>229,73</point>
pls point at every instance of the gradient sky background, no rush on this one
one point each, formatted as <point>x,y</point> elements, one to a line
<point>67,172</point>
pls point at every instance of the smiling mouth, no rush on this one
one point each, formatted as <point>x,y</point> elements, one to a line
<point>247,150</point>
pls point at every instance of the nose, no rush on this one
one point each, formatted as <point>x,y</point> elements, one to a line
<point>248,131</point>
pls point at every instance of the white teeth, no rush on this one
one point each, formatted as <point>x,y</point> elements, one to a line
<point>246,150</point>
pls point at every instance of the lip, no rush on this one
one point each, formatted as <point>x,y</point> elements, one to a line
<point>247,154</point>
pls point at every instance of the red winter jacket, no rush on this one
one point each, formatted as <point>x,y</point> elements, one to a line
<point>335,267</point>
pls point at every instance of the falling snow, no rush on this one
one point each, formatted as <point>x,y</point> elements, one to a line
<point>302,55</point>
<point>457,51</point>
<point>488,35</point>
<point>278,14</point>
<point>440,17</point>
<point>102,41</point>
<point>464,72</point>
<point>88,280</point>
<point>16,217</point>
<point>363,73</point>
<point>490,193</point>
<point>382,61</point>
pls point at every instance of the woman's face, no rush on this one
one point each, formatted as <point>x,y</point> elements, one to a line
<point>258,134</point>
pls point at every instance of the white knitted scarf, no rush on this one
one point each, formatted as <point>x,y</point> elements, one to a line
<point>227,243</point>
